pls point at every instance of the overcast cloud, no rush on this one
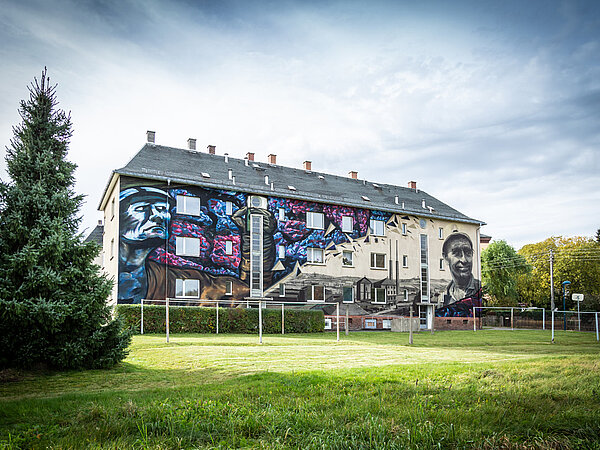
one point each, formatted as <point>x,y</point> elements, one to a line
<point>492,107</point>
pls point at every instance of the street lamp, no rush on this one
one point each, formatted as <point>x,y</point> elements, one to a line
<point>565,292</point>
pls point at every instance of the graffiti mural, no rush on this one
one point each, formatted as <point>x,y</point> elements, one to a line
<point>196,243</point>
<point>464,291</point>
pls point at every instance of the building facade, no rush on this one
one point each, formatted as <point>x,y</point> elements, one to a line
<point>193,225</point>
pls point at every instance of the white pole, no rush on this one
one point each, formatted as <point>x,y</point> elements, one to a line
<point>543,318</point>
<point>410,338</point>
<point>282,318</point>
<point>597,337</point>
<point>142,321</point>
<point>578,318</point>
<point>512,315</point>
<point>551,281</point>
<point>474,323</point>
<point>217,309</point>
<point>346,324</point>
<point>553,326</point>
<point>167,316</point>
<point>337,314</point>
<point>260,322</point>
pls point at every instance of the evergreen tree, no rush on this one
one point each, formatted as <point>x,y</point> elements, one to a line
<point>53,309</point>
<point>598,235</point>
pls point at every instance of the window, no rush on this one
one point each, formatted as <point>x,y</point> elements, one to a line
<point>348,294</point>
<point>347,224</point>
<point>228,248</point>
<point>441,233</point>
<point>442,264</point>
<point>314,255</point>
<point>377,260</point>
<point>281,214</point>
<point>187,246</point>
<point>228,288</point>
<point>281,251</point>
<point>188,205</point>
<point>314,220</point>
<point>328,324</point>
<point>228,208</point>
<point>112,248</point>
<point>405,295</point>
<point>378,295</point>
<point>404,260</point>
<point>371,324</point>
<point>424,268</point>
<point>387,323</point>
<point>315,293</point>
<point>347,258</point>
<point>112,209</point>
<point>187,288</point>
<point>403,228</point>
<point>377,227</point>
<point>282,290</point>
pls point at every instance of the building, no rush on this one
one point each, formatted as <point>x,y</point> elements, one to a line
<point>196,225</point>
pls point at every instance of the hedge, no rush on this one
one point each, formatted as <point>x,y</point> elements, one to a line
<point>197,319</point>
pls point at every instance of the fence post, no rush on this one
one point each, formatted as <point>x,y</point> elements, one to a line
<point>260,322</point>
<point>142,320</point>
<point>410,338</point>
<point>553,326</point>
<point>432,318</point>
<point>597,337</point>
<point>337,320</point>
<point>346,326</point>
<point>512,318</point>
<point>474,323</point>
<point>217,307</point>
<point>167,316</point>
<point>282,319</point>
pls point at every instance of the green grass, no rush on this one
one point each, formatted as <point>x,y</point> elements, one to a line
<point>490,389</point>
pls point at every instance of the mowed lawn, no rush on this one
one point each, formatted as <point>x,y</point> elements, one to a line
<point>489,389</point>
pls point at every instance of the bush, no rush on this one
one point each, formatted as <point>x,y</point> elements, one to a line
<point>197,319</point>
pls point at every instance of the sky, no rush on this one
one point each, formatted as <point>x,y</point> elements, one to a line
<point>493,107</point>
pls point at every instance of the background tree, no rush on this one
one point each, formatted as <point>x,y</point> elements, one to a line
<point>501,264</point>
<point>598,235</point>
<point>576,259</point>
<point>53,308</point>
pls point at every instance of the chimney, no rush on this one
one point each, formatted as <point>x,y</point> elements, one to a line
<point>230,174</point>
<point>307,165</point>
<point>272,158</point>
<point>353,174</point>
<point>266,179</point>
<point>412,185</point>
<point>150,136</point>
<point>192,144</point>
<point>211,149</point>
<point>396,199</point>
<point>423,204</point>
<point>250,156</point>
<point>226,157</point>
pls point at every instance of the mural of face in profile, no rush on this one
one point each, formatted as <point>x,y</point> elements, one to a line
<point>144,220</point>
<point>458,253</point>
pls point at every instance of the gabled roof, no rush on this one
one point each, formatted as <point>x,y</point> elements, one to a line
<point>96,235</point>
<point>178,165</point>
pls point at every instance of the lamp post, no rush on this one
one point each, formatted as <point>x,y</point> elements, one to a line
<point>565,292</point>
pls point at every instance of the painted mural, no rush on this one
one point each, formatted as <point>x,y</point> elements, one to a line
<point>153,255</point>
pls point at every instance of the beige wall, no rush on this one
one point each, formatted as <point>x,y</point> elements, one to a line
<point>110,242</point>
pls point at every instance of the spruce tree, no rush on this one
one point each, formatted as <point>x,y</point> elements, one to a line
<point>53,310</point>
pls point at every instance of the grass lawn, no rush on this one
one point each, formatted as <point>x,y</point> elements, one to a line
<point>490,389</point>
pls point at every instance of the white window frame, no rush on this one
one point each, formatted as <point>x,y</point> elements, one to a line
<point>442,265</point>
<point>328,323</point>
<point>440,233</point>
<point>405,295</point>
<point>351,258</point>
<point>386,324</point>
<point>404,228</point>
<point>228,248</point>
<point>371,324</point>
<point>281,214</point>
<point>351,290</point>
<point>185,246</point>
<point>405,261</point>
<point>281,251</point>
<point>112,209</point>
<point>377,227</point>
<point>347,224</point>
<point>229,208</point>
<point>112,248</point>
<point>311,290</point>
<point>310,255</point>
<point>180,286</point>
<point>186,205</point>
<point>281,289</point>
<point>374,261</point>
<point>375,297</point>
<point>228,287</point>
<point>315,220</point>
